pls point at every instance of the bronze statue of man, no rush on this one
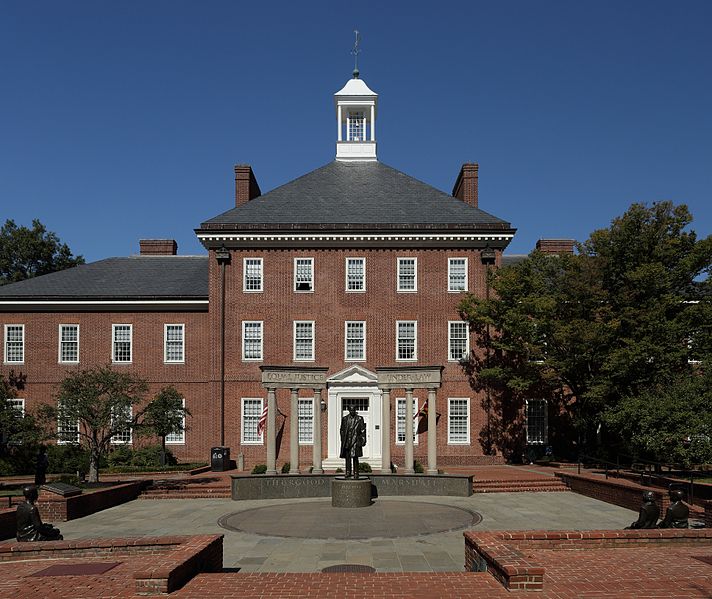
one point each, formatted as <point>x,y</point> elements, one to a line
<point>677,513</point>
<point>353,438</point>
<point>649,512</point>
<point>29,523</point>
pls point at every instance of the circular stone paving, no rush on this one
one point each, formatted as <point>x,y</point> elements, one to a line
<point>318,520</point>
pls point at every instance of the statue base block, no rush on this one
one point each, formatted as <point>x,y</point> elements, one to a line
<point>349,492</point>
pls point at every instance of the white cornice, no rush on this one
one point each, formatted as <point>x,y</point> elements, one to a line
<point>355,237</point>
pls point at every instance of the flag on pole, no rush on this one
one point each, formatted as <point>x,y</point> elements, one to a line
<point>262,422</point>
<point>421,419</point>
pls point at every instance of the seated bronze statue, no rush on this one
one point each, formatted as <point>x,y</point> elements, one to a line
<point>677,513</point>
<point>29,523</point>
<point>649,512</point>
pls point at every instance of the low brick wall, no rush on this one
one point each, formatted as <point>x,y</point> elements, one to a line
<point>625,494</point>
<point>8,524</point>
<point>708,514</point>
<point>174,560</point>
<point>506,554</point>
<point>55,508</point>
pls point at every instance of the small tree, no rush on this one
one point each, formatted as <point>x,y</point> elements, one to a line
<point>101,401</point>
<point>16,428</point>
<point>163,416</point>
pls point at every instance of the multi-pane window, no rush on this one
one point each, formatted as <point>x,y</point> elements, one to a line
<point>16,403</point>
<point>304,274</point>
<point>174,343</point>
<point>14,343</point>
<point>355,340</point>
<point>251,412</point>
<point>67,428</point>
<point>406,339</point>
<point>252,340</point>
<point>458,420</point>
<point>400,420</point>
<point>178,437</point>
<point>306,421</point>
<point>252,274</point>
<point>69,343</point>
<point>457,274</point>
<point>357,127</point>
<point>458,340</point>
<point>407,274</point>
<point>537,421</point>
<point>303,339</point>
<point>122,334</point>
<point>121,422</point>
<point>355,274</point>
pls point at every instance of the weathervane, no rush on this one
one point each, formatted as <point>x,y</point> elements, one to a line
<point>355,52</point>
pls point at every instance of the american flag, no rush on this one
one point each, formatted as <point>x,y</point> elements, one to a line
<point>262,422</point>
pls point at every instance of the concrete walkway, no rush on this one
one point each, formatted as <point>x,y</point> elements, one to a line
<point>440,551</point>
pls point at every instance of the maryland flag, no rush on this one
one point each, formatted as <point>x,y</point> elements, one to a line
<point>421,419</point>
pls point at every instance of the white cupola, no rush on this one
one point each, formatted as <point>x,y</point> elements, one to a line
<point>356,121</point>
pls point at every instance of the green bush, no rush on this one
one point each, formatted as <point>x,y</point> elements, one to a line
<point>7,468</point>
<point>259,469</point>
<point>120,456</point>
<point>418,467</point>
<point>339,470</point>
<point>364,467</point>
<point>68,479</point>
<point>69,459</point>
<point>285,467</point>
<point>124,458</point>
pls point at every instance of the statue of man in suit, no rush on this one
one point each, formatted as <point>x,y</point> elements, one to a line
<point>353,438</point>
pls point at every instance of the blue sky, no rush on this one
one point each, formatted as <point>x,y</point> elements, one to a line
<point>122,120</point>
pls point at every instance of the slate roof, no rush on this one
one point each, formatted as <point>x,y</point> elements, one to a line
<point>356,195</point>
<point>512,259</point>
<point>135,277</point>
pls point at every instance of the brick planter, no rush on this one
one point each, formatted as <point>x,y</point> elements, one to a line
<point>54,508</point>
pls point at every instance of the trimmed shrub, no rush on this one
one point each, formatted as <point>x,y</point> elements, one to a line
<point>364,467</point>
<point>259,469</point>
<point>285,467</point>
<point>68,459</point>
<point>418,467</point>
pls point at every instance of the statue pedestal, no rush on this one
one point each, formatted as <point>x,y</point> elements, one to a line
<point>349,492</point>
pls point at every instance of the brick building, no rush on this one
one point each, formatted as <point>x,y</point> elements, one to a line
<point>350,274</point>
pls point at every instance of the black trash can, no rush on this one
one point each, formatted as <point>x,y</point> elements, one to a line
<point>220,459</point>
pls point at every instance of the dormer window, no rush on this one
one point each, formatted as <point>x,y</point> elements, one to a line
<point>357,127</point>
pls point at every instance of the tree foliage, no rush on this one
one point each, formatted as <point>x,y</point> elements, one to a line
<point>163,416</point>
<point>30,252</point>
<point>102,401</point>
<point>587,330</point>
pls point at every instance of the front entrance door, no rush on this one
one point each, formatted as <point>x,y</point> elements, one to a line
<point>362,405</point>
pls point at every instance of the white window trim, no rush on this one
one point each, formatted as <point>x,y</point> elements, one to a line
<point>415,421</point>
<point>242,420</point>
<point>60,440</point>
<point>294,341</point>
<point>546,421</point>
<point>305,400</point>
<point>5,360</point>
<point>312,276</point>
<point>346,341</point>
<point>415,341</point>
<point>346,274</point>
<point>115,441</point>
<point>449,405</point>
<point>415,275</point>
<point>262,275</point>
<point>182,432</point>
<point>165,343</point>
<point>449,340</point>
<point>18,403</point>
<point>262,340</point>
<point>467,281</point>
<point>59,344</point>
<point>113,341</point>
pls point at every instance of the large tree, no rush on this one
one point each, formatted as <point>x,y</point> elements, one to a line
<point>102,401</point>
<point>586,330</point>
<point>163,416</point>
<point>30,252</point>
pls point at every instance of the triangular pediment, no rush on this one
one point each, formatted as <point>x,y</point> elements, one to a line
<point>354,375</point>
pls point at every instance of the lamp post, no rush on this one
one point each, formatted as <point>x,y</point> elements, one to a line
<point>488,258</point>
<point>222,256</point>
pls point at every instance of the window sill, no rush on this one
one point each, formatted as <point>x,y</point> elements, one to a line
<point>67,362</point>
<point>252,360</point>
<point>355,291</point>
<point>251,442</point>
<point>173,362</point>
<point>461,443</point>
<point>406,291</point>
<point>252,291</point>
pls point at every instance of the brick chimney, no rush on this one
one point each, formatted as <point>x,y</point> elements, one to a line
<point>555,246</point>
<point>158,247</point>
<point>466,186</point>
<point>246,187</point>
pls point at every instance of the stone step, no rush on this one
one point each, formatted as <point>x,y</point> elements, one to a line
<point>504,489</point>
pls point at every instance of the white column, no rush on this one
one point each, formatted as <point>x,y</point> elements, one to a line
<point>363,136</point>
<point>386,432</point>
<point>348,128</point>
<point>294,432</point>
<point>409,432</point>
<point>373,123</point>
<point>316,451</point>
<point>271,432</point>
<point>432,434</point>
<point>339,135</point>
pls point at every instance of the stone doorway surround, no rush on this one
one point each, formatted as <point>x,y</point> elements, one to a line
<point>293,378</point>
<point>409,378</point>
